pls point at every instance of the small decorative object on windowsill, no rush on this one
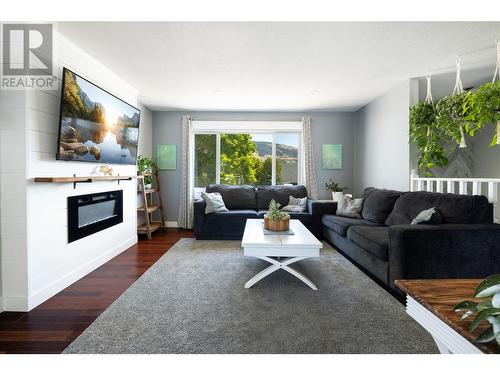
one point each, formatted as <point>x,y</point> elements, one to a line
<point>145,167</point>
<point>276,220</point>
<point>336,189</point>
<point>487,309</point>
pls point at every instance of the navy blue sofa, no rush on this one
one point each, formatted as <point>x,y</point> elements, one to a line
<point>249,202</point>
<point>383,242</point>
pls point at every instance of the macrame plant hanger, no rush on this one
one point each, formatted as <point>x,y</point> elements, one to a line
<point>495,77</point>
<point>428,100</point>
<point>459,89</point>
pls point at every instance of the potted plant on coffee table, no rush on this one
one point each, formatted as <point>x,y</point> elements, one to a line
<point>336,189</point>
<point>276,220</point>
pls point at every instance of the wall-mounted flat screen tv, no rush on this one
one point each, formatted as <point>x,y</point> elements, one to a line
<point>95,126</point>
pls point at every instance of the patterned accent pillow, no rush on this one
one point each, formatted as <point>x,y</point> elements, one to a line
<point>214,203</point>
<point>349,207</point>
<point>430,216</point>
<point>296,204</point>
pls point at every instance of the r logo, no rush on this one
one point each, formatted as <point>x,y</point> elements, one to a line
<point>27,49</point>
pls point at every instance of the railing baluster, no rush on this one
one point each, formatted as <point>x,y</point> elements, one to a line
<point>476,188</point>
<point>430,185</point>
<point>439,186</point>
<point>462,185</point>
<point>450,187</point>
<point>420,185</point>
<point>493,192</point>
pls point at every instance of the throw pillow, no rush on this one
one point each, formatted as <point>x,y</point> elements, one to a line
<point>296,204</point>
<point>214,203</point>
<point>430,216</point>
<point>349,207</point>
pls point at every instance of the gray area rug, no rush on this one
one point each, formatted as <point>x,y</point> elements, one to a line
<point>193,300</point>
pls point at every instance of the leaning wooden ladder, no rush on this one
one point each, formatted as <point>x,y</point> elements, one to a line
<point>149,226</point>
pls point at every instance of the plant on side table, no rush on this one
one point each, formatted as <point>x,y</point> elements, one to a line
<point>145,167</point>
<point>336,189</point>
<point>276,220</point>
<point>487,309</point>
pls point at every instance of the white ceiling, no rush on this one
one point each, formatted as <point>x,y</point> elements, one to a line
<point>278,66</point>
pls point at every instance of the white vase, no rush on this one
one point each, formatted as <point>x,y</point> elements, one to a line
<point>336,195</point>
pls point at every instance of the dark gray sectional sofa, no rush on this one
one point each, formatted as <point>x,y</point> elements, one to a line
<point>384,243</point>
<point>248,202</point>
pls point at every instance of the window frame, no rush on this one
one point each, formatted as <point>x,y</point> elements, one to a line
<point>251,127</point>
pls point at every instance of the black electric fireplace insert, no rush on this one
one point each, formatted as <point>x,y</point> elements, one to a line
<point>91,213</point>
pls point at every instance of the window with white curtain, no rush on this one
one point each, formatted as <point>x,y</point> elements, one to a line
<point>247,152</point>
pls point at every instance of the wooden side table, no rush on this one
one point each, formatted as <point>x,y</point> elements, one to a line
<point>431,302</point>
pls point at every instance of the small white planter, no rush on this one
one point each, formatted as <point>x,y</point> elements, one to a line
<point>336,195</point>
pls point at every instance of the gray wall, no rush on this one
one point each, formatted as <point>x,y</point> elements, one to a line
<point>146,131</point>
<point>486,159</point>
<point>382,153</point>
<point>327,127</point>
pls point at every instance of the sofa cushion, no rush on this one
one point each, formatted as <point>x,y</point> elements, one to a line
<point>213,202</point>
<point>296,205</point>
<point>231,217</point>
<point>454,209</point>
<point>375,240</point>
<point>304,217</point>
<point>235,197</point>
<point>340,224</point>
<point>349,207</point>
<point>431,216</point>
<point>279,193</point>
<point>378,204</point>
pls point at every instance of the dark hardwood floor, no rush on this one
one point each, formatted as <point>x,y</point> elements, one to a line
<point>52,326</point>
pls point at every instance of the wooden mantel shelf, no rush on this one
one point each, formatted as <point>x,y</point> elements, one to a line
<point>82,179</point>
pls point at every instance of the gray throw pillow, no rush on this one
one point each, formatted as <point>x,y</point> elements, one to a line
<point>430,216</point>
<point>214,203</point>
<point>349,207</point>
<point>296,204</point>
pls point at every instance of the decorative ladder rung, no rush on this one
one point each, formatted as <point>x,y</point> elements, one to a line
<point>149,226</point>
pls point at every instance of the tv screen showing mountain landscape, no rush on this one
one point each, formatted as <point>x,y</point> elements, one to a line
<point>95,125</point>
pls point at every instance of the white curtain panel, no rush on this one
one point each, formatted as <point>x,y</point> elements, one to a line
<point>186,202</point>
<point>310,166</point>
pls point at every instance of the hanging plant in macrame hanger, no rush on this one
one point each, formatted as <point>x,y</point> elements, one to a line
<point>453,112</point>
<point>485,104</point>
<point>426,135</point>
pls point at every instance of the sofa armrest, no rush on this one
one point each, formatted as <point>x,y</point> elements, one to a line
<point>314,207</point>
<point>443,251</point>
<point>199,211</point>
<point>328,207</point>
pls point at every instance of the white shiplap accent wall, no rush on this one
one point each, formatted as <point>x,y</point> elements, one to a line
<point>13,230</point>
<point>50,263</point>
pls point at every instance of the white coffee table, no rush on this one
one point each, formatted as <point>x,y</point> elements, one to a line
<point>279,250</point>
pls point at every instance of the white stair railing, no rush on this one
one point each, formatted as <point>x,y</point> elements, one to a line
<point>469,186</point>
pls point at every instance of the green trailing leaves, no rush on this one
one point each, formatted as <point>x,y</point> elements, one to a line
<point>486,336</point>
<point>487,309</point>
<point>488,287</point>
<point>436,128</point>
<point>483,315</point>
<point>426,135</point>
<point>485,107</point>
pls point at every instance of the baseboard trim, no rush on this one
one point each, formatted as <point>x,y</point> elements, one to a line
<point>15,303</point>
<point>55,287</point>
<point>171,224</point>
